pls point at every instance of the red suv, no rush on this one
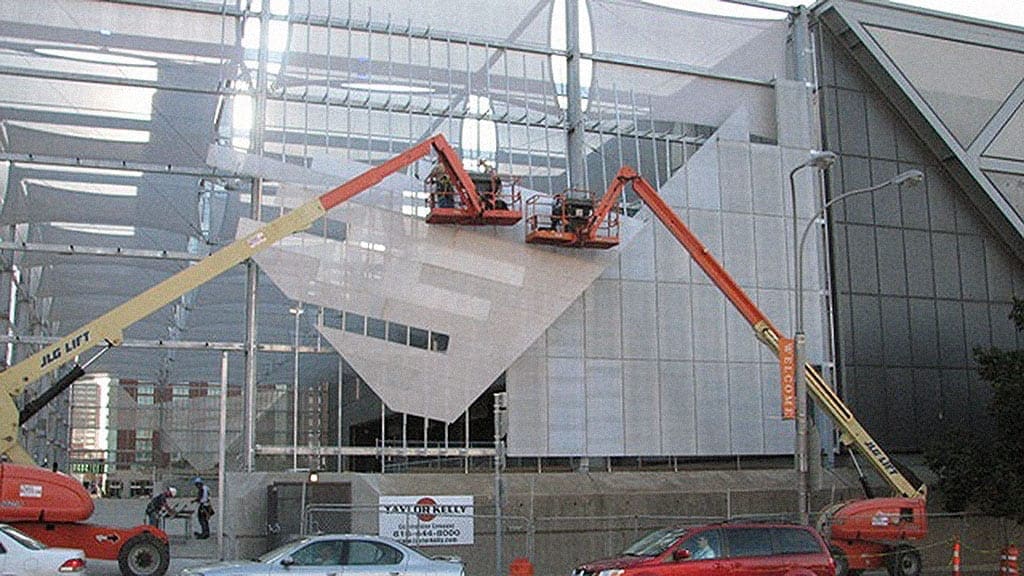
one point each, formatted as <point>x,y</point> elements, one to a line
<point>728,549</point>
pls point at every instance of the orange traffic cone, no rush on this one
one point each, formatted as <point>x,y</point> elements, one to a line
<point>956,556</point>
<point>520,567</point>
<point>1008,561</point>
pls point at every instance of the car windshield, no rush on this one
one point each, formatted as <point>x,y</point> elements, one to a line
<point>655,543</point>
<point>282,549</point>
<point>23,539</point>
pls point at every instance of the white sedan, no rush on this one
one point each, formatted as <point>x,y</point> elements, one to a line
<point>23,555</point>
<point>334,554</point>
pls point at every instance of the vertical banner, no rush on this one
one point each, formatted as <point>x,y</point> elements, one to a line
<point>787,367</point>
<point>427,520</point>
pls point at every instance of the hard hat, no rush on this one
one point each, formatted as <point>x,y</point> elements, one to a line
<point>197,480</point>
<point>172,491</point>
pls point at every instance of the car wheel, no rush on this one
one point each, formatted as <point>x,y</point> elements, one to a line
<point>144,555</point>
<point>905,561</point>
<point>842,563</point>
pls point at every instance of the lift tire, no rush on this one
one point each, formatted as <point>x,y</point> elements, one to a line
<point>905,560</point>
<point>842,562</point>
<point>144,555</point>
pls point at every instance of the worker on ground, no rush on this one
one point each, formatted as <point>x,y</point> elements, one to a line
<point>159,506</point>
<point>204,510</point>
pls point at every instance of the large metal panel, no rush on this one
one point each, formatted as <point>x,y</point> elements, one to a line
<point>882,122</point>
<point>886,200</point>
<point>941,201</point>
<point>567,407</point>
<point>672,262</point>
<point>924,332</point>
<point>892,266</point>
<point>853,122</point>
<point>639,320</point>
<point>637,261</point>
<point>565,335</point>
<point>745,410</point>
<point>675,333</point>
<point>602,313</point>
<point>863,259</point>
<point>895,331</point>
<point>712,401</point>
<point>738,243</point>
<point>920,274</point>
<point>953,351</point>
<point>977,327</point>
<point>972,267</point>
<point>766,180</point>
<point>702,178</point>
<point>641,407</point>
<point>867,335</point>
<point>771,250</point>
<point>527,383</point>
<point>605,423</point>
<point>708,323</point>
<point>947,265</point>
<point>734,176</point>
<point>678,408</point>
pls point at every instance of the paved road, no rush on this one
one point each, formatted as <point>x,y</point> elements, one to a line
<point>109,567</point>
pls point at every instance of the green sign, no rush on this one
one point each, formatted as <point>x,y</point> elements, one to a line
<point>87,467</point>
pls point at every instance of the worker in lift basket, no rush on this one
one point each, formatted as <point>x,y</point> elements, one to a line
<point>204,510</point>
<point>159,506</point>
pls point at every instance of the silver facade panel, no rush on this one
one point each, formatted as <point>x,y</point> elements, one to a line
<point>605,410</point>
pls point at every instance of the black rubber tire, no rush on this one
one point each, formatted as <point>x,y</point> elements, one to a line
<point>905,561</point>
<point>144,555</point>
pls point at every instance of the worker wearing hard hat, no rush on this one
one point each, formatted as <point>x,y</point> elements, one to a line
<point>204,510</point>
<point>159,506</point>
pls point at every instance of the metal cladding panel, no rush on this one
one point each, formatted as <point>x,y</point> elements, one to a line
<point>947,276</point>
<point>528,376</point>
<point>678,408</point>
<point>565,336</point>
<point>734,176</point>
<point>745,393</point>
<point>891,257</point>
<point>919,272</point>
<point>738,250</point>
<point>639,320</point>
<point>603,320</point>
<point>567,405</point>
<point>675,339</point>
<point>605,420</point>
<point>766,173</point>
<point>713,407</point>
<point>896,331</point>
<point>924,335</point>
<point>772,235</point>
<point>641,399</point>
<point>638,261</point>
<point>709,310</point>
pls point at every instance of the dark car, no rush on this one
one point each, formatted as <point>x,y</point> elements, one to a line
<point>728,549</point>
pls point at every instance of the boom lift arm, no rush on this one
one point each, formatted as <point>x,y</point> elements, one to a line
<point>852,433</point>
<point>108,329</point>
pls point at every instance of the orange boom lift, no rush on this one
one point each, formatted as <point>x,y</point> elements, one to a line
<point>864,534</point>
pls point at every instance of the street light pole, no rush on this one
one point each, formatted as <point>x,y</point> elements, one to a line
<point>821,161</point>
<point>909,177</point>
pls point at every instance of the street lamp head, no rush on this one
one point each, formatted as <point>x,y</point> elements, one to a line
<point>314,477</point>
<point>820,159</point>
<point>910,178</point>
